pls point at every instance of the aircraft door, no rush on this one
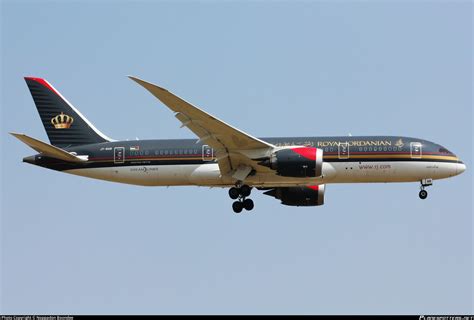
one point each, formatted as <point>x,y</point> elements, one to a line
<point>207,153</point>
<point>119,155</point>
<point>416,150</point>
<point>343,150</point>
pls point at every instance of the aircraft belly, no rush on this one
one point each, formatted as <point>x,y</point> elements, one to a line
<point>208,174</point>
<point>95,173</point>
<point>156,175</point>
<point>140,175</point>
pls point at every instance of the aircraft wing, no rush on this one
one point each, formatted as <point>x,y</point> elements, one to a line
<point>232,146</point>
<point>47,149</point>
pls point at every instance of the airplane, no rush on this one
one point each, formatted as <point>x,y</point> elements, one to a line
<point>294,170</point>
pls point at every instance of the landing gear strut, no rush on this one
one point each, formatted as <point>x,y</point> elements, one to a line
<point>241,193</point>
<point>424,183</point>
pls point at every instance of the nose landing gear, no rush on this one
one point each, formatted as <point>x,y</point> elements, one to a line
<point>241,193</point>
<point>425,183</point>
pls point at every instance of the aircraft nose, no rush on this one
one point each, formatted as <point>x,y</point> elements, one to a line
<point>460,168</point>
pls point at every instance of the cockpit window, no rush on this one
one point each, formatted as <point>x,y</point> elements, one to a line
<point>444,150</point>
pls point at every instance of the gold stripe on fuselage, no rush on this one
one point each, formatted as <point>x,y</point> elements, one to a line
<point>149,159</point>
<point>392,156</point>
<point>325,157</point>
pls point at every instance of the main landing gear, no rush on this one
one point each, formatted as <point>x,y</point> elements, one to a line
<point>241,193</point>
<point>425,183</point>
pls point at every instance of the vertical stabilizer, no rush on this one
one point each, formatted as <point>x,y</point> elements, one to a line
<point>64,124</point>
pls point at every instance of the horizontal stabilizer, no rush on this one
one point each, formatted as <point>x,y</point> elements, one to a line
<point>47,149</point>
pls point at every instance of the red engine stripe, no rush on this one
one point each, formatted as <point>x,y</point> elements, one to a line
<point>308,153</point>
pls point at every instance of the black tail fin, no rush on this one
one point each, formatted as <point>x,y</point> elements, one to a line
<point>63,123</point>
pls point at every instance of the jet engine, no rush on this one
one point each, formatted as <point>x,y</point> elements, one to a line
<point>302,162</point>
<point>299,196</point>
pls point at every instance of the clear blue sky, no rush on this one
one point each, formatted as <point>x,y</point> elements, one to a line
<point>74,245</point>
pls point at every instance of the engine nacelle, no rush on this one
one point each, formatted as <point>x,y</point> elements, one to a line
<point>303,162</point>
<point>299,196</point>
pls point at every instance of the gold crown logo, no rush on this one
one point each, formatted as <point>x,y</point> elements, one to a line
<point>62,121</point>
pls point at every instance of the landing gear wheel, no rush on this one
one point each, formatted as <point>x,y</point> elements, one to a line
<point>248,204</point>
<point>237,206</point>
<point>234,193</point>
<point>423,194</point>
<point>245,191</point>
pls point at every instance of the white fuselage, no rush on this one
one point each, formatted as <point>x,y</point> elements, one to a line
<point>333,172</point>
